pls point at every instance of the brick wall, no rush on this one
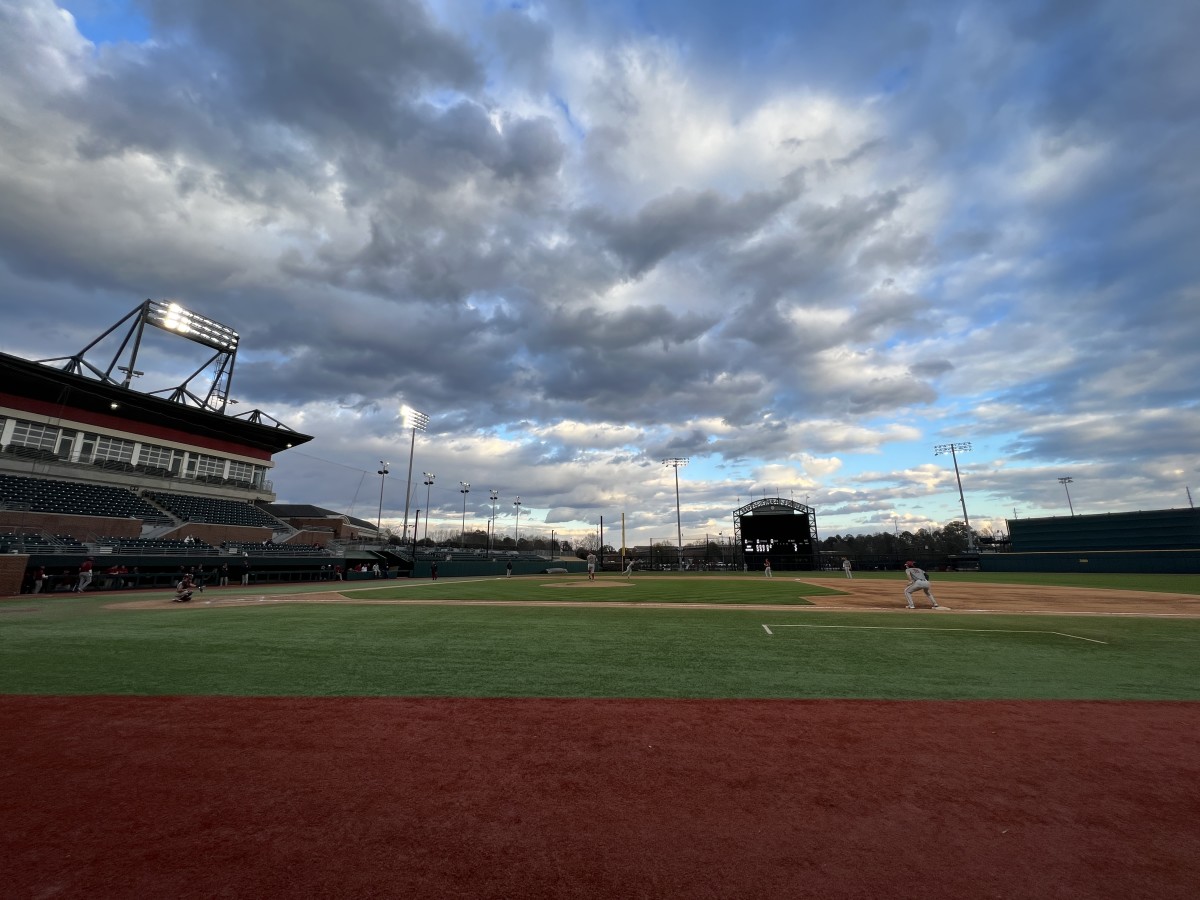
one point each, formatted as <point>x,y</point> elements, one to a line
<point>12,570</point>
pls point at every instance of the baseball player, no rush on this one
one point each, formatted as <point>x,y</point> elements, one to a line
<point>847,567</point>
<point>917,581</point>
<point>591,566</point>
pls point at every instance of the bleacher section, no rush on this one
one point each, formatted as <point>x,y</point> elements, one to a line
<point>213,510</point>
<point>36,542</point>
<point>73,498</point>
<point>252,548</point>
<point>155,546</point>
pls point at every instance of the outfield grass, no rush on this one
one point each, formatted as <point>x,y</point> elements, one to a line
<point>72,645</point>
<point>607,588</point>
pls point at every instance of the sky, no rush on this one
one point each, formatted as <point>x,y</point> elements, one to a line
<point>798,244</point>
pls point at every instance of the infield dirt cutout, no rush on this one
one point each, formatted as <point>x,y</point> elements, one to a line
<point>853,594</point>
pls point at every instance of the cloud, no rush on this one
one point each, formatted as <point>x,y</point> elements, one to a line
<point>587,237</point>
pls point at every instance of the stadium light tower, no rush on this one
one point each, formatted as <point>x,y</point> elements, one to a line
<point>415,420</point>
<point>517,530</point>
<point>1064,482</point>
<point>954,450</point>
<point>429,477</point>
<point>494,495</point>
<point>464,489</point>
<point>676,462</point>
<point>383,474</point>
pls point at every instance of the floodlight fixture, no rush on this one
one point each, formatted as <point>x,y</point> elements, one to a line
<point>954,450</point>
<point>1064,482</point>
<point>464,489</point>
<point>429,477</point>
<point>517,530</point>
<point>677,462</point>
<point>383,474</point>
<point>493,495</point>
<point>417,421</point>
<point>170,316</point>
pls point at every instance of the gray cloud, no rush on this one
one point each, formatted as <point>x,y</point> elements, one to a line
<point>973,220</point>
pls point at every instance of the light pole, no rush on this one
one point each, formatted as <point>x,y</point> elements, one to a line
<point>954,450</point>
<point>429,477</point>
<point>676,462</point>
<point>494,495</point>
<point>383,474</point>
<point>415,420</point>
<point>464,489</point>
<point>517,530</point>
<point>1064,482</point>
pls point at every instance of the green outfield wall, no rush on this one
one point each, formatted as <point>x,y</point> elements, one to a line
<point>1175,562</point>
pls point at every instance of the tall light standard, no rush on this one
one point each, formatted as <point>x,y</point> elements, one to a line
<point>954,450</point>
<point>517,530</point>
<point>494,495</point>
<point>429,477</point>
<point>1064,482</point>
<point>383,474</point>
<point>676,462</point>
<point>415,420</point>
<point>464,489</point>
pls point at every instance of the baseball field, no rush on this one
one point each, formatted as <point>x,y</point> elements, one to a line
<point>660,736</point>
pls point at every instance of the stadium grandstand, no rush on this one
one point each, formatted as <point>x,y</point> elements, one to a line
<point>93,471</point>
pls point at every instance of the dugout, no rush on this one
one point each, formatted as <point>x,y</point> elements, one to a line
<point>1163,540</point>
<point>777,529</point>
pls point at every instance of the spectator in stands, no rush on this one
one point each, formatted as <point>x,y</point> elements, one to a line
<point>85,576</point>
<point>189,540</point>
<point>224,575</point>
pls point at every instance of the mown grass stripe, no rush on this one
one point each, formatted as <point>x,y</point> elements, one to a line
<point>919,628</point>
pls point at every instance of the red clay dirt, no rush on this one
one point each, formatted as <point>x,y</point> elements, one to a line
<point>854,594</point>
<point>483,798</point>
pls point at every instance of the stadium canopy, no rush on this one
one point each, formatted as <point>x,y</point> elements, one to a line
<point>59,390</point>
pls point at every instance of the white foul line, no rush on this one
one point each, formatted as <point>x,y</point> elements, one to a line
<point>918,628</point>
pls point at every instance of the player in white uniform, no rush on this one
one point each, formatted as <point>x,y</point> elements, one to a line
<point>847,567</point>
<point>917,581</point>
<point>591,564</point>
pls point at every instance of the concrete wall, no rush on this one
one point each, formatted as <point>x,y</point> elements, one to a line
<point>495,569</point>
<point>1176,562</point>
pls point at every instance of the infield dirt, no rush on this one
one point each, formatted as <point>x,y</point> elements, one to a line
<point>860,593</point>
